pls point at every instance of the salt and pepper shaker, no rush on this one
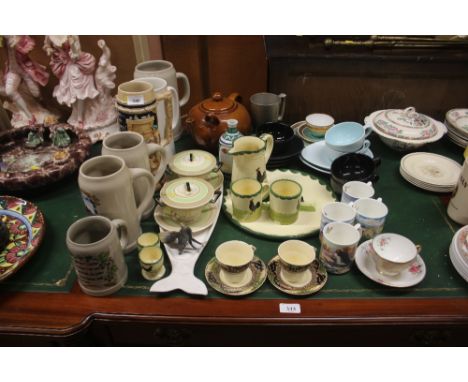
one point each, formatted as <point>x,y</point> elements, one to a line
<point>226,142</point>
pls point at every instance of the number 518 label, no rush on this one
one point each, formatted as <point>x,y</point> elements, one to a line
<point>290,308</point>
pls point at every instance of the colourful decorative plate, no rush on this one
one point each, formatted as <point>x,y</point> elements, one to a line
<point>256,272</point>
<point>308,222</point>
<point>23,168</point>
<point>26,227</point>
<point>318,278</point>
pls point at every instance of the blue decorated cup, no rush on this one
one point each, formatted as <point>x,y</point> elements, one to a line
<point>371,215</point>
<point>347,137</point>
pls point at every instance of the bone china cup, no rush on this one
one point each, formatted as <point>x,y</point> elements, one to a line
<point>347,137</point>
<point>107,188</point>
<point>131,147</point>
<point>339,244</point>
<point>295,258</point>
<point>337,212</point>
<point>393,253</point>
<point>285,201</point>
<point>96,244</point>
<point>371,215</point>
<point>355,190</point>
<point>234,258</point>
<point>246,195</point>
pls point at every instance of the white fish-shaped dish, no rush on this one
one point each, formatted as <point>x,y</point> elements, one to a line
<point>182,275</point>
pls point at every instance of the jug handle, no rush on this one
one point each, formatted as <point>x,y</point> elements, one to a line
<point>282,107</point>
<point>235,97</point>
<point>137,173</point>
<point>268,139</point>
<point>154,148</point>
<point>212,119</point>
<point>175,107</point>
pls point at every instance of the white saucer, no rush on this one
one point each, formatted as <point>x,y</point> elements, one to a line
<point>425,186</point>
<point>320,155</point>
<point>410,277</point>
<point>314,167</point>
<point>208,216</point>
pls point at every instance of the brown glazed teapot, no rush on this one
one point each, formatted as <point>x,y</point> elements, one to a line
<point>207,120</point>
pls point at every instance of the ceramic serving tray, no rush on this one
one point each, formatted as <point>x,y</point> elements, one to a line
<point>308,222</point>
<point>23,168</point>
<point>26,227</point>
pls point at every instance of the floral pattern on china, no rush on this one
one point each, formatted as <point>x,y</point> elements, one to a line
<point>458,118</point>
<point>463,242</point>
<point>405,124</point>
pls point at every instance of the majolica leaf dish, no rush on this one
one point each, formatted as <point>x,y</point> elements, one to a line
<point>26,226</point>
<point>35,156</point>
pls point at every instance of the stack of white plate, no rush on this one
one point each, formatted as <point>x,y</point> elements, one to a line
<point>456,121</point>
<point>430,172</point>
<point>459,252</point>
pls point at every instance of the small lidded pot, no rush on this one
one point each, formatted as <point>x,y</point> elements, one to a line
<point>185,198</point>
<point>195,164</point>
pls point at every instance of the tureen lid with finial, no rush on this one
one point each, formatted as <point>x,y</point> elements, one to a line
<point>185,193</point>
<point>192,163</point>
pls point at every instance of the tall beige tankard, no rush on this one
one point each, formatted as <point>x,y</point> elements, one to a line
<point>250,156</point>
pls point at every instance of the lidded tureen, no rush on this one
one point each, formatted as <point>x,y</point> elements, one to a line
<point>186,197</point>
<point>405,129</point>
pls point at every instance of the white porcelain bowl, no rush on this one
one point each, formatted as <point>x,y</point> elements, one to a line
<point>402,144</point>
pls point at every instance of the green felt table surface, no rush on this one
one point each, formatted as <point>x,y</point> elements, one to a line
<point>415,213</point>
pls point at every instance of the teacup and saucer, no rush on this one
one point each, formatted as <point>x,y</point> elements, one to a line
<point>235,270</point>
<point>295,270</point>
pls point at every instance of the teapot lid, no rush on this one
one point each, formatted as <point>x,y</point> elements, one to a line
<point>186,193</point>
<point>192,163</point>
<point>218,103</point>
<point>405,124</point>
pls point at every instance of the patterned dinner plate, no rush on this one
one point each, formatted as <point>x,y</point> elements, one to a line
<point>409,277</point>
<point>26,226</point>
<point>256,276</point>
<point>317,278</point>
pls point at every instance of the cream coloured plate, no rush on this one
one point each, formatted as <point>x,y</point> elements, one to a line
<point>410,277</point>
<point>307,223</point>
<point>162,218</point>
<point>431,168</point>
<point>426,186</point>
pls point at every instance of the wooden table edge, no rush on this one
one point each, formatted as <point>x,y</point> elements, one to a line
<point>66,314</point>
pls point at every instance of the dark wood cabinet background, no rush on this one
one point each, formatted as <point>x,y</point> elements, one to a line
<point>347,83</point>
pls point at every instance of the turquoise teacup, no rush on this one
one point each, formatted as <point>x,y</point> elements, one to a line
<point>347,137</point>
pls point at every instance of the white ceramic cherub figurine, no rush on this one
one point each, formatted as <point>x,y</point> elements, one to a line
<point>21,83</point>
<point>82,86</point>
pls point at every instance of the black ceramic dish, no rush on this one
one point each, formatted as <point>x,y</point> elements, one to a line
<point>289,156</point>
<point>282,133</point>
<point>353,167</point>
